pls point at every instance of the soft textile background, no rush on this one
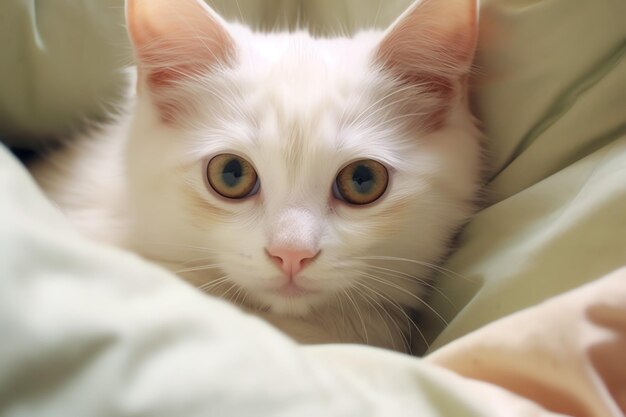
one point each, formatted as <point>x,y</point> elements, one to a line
<point>549,89</point>
<point>551,92</point>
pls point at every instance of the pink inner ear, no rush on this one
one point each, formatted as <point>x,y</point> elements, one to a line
<point>174,42</point>
<point>165,62</point>
<point>431,47</point>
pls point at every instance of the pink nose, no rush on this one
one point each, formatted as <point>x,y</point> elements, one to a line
<point>291,261</point>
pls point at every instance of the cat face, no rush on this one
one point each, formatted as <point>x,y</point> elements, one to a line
<point>290,172</point>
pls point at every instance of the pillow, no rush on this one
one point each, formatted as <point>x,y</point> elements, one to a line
<point>60,64</point>
<point>550,92</point>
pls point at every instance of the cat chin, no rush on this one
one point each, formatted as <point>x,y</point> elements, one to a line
<point>299,305</point>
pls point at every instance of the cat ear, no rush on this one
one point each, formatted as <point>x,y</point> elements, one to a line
<point>431,45</point>
<point>174,40</point>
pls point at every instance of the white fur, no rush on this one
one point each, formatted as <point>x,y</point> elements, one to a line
<point>299,109</point>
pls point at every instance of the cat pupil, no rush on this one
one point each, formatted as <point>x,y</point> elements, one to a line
<point>232,172</point>
<point>363,179</point>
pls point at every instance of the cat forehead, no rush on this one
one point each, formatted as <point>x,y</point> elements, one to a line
<point>297,95</point>
<point>291,51</point>
<point>298,66</point>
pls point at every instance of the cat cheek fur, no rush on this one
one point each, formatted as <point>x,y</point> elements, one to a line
<point>298,109</point>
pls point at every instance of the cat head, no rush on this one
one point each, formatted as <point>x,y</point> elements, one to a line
<point>292,171</point>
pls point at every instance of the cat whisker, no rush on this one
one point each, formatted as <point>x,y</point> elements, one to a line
<point>402,290</point>
<point>409,321</point>
<point>358,312</point>
<point>207,286</point>
<point>374,115</point>
<point>407,341</point>
<point>358,118</point>
<point>244,298</point>
<point>409,277</point>
<point>362,290</point>
<point>182,246</point>
<point>438,268</point>
<point>224,295</point>
<point>390,122</point>
<point>236,295</point>
<point>194,260</point>
<point>401,310</point>
<point>341,307</point>
<point>400,274</point>
<point>353,101</point>
<point>369,85</point>
<point>227,101</point>
<point>383,98</point>
<point>199,268</point>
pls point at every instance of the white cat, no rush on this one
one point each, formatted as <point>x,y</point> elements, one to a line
<point>313,181</point>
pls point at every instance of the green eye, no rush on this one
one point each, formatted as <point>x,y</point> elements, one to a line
<point>231,176</point>
<point>361,182</point>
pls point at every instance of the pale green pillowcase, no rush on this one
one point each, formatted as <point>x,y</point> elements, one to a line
<point>59,64</point>
<point>551,93</point>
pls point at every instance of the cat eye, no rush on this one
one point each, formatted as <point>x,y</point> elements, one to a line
<point>231,176</point>
<point>361,182</point>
